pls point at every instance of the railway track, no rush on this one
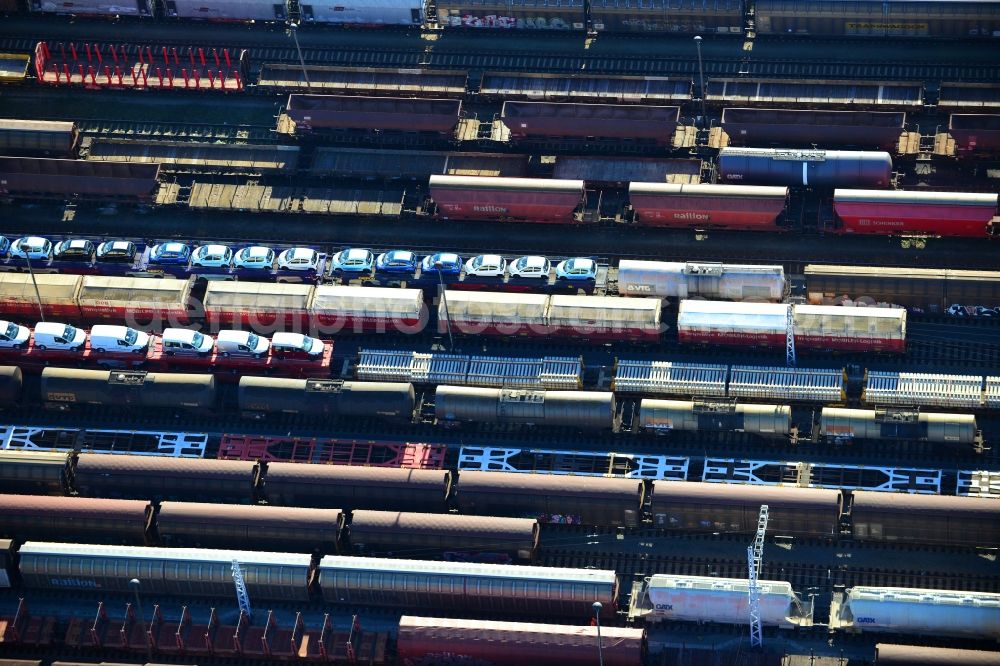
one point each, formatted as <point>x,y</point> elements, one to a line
<point>435,57</point>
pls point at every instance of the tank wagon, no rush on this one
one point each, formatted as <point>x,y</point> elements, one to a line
<point>598,501</point>
<point>808,168</point>
<point>938,213</point>
<point>887,423</point>
<point>515,643</point>
<point>733,282</point>
<point>11,385</point>
<point>325,397</point>
<point>128,387</point>
<point>700,415</point>
<point>587,409</point>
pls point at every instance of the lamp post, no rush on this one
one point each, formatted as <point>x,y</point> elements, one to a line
<point>597,616</point>
<point>293,27</point>
<point>439,265</point>
<point>701,79</point>
<point>134,584</point>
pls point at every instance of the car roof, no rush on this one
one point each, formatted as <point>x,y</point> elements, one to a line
<point>446,256</point>
<point>77,242</point>
<point>51,327</point>
<point>257,250</point>
<point>120,243</point>
<point>232,335</point>
<point>355,253</point>
<point>299,252</point>
<point>214,249</point>
<point>173,246</point>
<point>32,240</point>
<point>491,258</point>
<point>287,338</point>
<point>108,329</point>
<point>179,334</point>
<point>534,260</point>
<point>400,253</point>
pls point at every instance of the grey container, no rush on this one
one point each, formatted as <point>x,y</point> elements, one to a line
<point>181,571</point>
<point>128,387</point>
<point>155,478</point>
<point>551,498</point>
<point>455,586</point>
<point>580,409</point>
<point>348,488</point>
<point>427,535</point>
<point>322,397</point>
<point>805,168</point>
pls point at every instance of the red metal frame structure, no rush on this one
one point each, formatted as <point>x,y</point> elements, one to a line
<point>351,452</point>
<point>98,66</point>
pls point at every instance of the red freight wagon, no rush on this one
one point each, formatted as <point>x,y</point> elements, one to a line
<point>516,199</point>
<point>616,121</point>
<point>787,127</point>
<point>138,302</point>
<point>718,206</point>
<point>350,309</point>
<point>261,306</point>
<point>975,132</point>
<point>374,113</point>
<point>58,294</point>
<point>938,213</point>
<point>53,178</point>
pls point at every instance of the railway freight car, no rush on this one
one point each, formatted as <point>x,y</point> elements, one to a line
<point>617,122</point>
<point>703,415</point>
<point>156,478</point>
<point>139,8</point>
<point>74,518</point>
<point>874,424</point>
<point>824,169</point>
<point>426,639</point>
<point>730,282</point>
<point>975,133</point>
<point>325,397</point>
<point>887,654</point>
<point>37,137</point>
<point>571,409</point>
<point>808,128</point>
<point>878,18</point>
<point>506,15</point>
<point>930,289</point>
<point>710,507</point>
<point>464,587</point>
<point>724,17</point>
<point>344,112</point>
<point>43,178</point>
<point>936,213</point>
<point>507,199</point>
<point>900,610</point>
<point>905,518</point>
<point>707,206</point>
<point>11,385</point>
<point>830,328</point>
<point>166,390</point>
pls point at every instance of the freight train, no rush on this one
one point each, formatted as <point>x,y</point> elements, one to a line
<point>869,18</point>
<point>671,506</point>
<point>326,310</point>
<point>509,590</point>
<point>262,397</point>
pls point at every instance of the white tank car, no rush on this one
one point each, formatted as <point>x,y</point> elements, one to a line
<point>723,600</point>
<point>732,282</point>
<point>916,611</point>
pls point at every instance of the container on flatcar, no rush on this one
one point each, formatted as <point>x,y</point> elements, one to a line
<point>552,498</point>
<point>156,478</point>
<point>58,293</point>
<point>262,306</point>
<point>349,488</point>
<point>826,169</point>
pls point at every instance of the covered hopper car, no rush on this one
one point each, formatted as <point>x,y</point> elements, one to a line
<point>937,213</point>
<point>707,206</point>
<point>517,199</point>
